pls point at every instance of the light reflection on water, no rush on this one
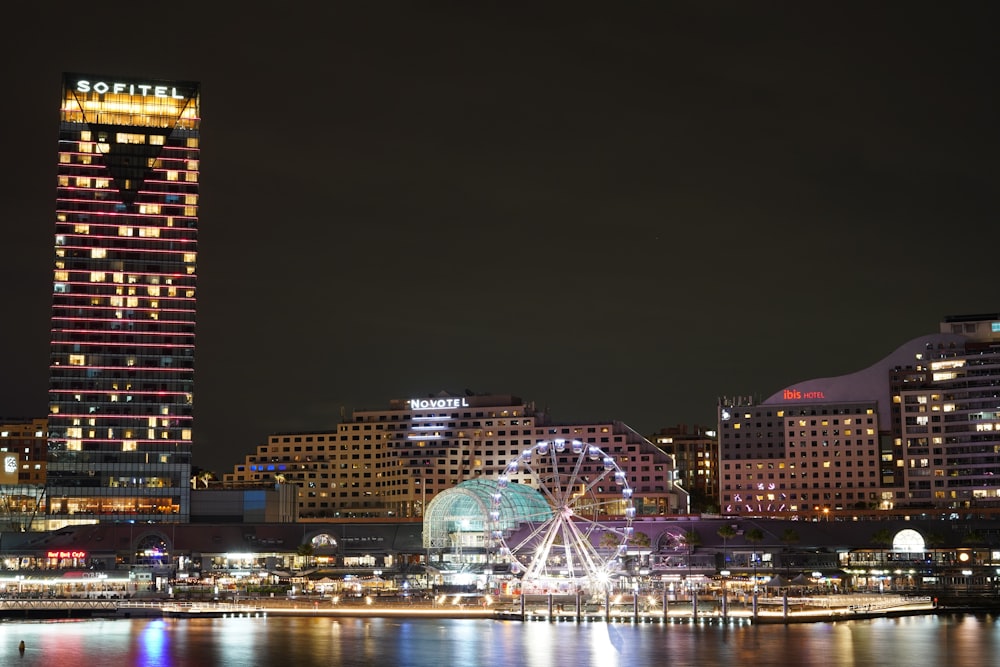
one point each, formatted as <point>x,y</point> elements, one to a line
<point>293,642</point>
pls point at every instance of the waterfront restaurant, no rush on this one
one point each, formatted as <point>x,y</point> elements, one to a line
<point>913,553</point>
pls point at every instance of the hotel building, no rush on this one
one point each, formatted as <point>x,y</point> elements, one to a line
<point>123,305</point>
<point>918,429</point>
<point>694,451</point>
<point>391,463</point>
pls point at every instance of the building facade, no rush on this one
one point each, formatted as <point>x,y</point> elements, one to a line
<point>121,387</point>
<point>694,449</point>
<point>918,429</point>
<point>391,463</point>
<point>23,445</point>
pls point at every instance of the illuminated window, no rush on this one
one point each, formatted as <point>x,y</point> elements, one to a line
<point>77,359</point>
<point>130,138</point>
<point>98,253</point>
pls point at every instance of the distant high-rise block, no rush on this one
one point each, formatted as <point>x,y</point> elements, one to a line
<point>919,429</point>
<point>121,387</point>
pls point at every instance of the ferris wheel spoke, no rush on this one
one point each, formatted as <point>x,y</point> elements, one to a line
<point>544,488</point>
<point>574,475</point>
<point>605,473</point>
<point>555,548</point>
<point>532,535</point>
<point>585,550</point>
<point>539,563</point>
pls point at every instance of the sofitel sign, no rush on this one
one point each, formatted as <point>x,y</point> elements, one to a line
<point>437,403</point>
<point>100,87</point>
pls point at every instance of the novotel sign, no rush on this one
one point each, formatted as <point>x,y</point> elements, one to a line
<point>796,395</point>
<point>66,554</point>
<point>145,89</point>
<point>437,403</point>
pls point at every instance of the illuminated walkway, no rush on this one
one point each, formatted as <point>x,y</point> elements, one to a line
<point>535,608</point>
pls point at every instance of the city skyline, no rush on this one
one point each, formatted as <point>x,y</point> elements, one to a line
<point>621,213</point>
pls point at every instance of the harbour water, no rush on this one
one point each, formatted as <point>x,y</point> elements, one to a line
<point>956,640</point>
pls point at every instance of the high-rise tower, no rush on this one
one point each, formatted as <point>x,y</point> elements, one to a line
<point>123,310</point>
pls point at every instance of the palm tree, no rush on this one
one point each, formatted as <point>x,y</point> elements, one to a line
<point>789,537</point>
<point>609,540</point>
<point>933,541</point>
<point>640,540</point>
<point>727,533</point>
<point>206,476</point>
<point>754,536</point>
<point>882,538</point>
<point>692,540</point>
<point>305,551</point>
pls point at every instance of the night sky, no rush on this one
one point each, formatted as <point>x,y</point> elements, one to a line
<point>619,211</point>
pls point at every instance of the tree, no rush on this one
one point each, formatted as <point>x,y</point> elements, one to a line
<point>754,536</point>
<point>789,537</point>
<point>973,537</point>
<point>640,540</point>
<point>692,540</point>
<point>882,538</point>
<point>609,540</point>
<point>306,551</point>
<point>727,533</point>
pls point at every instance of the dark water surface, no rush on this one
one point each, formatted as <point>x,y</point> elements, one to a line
<point>952,640</point>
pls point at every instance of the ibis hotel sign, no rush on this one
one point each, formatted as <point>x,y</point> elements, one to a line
<point>438,403</point>
<point>796,395</point>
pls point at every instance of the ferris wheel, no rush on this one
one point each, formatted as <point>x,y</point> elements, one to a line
<point>573,535</point>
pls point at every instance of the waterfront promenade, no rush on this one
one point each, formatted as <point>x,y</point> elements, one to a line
<point>770,609</point>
